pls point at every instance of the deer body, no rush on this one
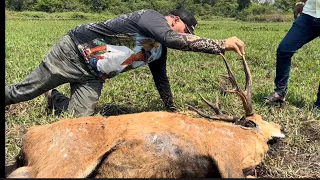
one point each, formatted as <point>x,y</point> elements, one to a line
<point>149,144</point>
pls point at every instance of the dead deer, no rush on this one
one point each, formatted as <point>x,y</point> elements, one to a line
<point>150,144</point>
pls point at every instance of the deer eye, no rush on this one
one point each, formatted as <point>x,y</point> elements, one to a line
<point>250,124</point>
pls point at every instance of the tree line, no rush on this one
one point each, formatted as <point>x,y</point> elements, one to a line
<point>226,8</point>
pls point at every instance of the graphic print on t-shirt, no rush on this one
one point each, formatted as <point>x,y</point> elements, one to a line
<point>114,59</point>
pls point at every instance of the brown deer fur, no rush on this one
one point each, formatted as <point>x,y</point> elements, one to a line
<point>150,144</point>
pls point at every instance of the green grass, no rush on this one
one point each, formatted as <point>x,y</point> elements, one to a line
<point>38,15</point>
<point>27,42</point>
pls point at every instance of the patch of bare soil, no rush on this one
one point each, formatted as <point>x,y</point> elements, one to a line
<point>16,109</point>
<point>312,130</point>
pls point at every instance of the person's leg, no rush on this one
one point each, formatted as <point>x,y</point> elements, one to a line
<point>84,97</point>
<point>301,32</point>
<point>317,103</point>
<point>41,79</point>
<point>61,65</point>
<point>317,30</point>
<point>56,101</point>
<point>83,100</point>
<point>32,86</point>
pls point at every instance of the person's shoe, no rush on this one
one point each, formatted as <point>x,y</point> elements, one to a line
<point>48,96</point>
<point>274,98</point>
<point>171,108</point>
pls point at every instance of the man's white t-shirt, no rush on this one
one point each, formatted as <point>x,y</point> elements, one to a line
<point>312,8</point>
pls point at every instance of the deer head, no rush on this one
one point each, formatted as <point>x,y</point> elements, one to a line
<point>269,130</point>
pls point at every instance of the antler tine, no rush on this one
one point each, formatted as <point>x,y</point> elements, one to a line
<point>230,75</point>
<point>221,89</point>
<point>248,87</point>
<point>244,95</point>
<point>215,107</point>
<point>221,117</point>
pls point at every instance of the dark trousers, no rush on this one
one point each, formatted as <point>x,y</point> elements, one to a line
<point>62,64</point>
<point>304,29</point>
<point>318,97</point>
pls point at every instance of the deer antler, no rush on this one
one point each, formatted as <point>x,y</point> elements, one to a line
<point>244,95</point>
<point>219,115</point>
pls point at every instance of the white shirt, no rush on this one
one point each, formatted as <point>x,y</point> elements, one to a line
<point>116,58</point>
<point>312,8</point>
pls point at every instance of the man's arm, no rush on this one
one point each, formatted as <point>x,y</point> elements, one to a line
<point>159,73</point>
<point>154,25</point>
<point>189,42</point>
<point>296,12</point>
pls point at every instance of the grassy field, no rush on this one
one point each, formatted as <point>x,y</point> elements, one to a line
<point>297,156</point>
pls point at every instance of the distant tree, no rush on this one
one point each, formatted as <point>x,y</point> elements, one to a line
<point>96,5</point>
<point>20,5</point>
<point>163,6</point>
<point>285,5</point>
<point>208,8</point>
<point>209,2</point>
<point>14,4</point>
<point>57,5</point>
<point>227,8</point>
<point>134,5</point>
<point>46,6</point>
<point>242,4</point>
<point>185,4</point>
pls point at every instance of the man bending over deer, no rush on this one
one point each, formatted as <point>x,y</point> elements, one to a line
<point>91,53</point>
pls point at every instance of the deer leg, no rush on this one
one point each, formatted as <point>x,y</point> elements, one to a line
<point>228,167</point>
<point>227,171</point>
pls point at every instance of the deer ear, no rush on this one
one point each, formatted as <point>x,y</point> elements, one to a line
<point>228,168</point>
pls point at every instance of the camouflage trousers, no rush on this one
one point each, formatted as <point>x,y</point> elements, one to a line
<point>62,64</point>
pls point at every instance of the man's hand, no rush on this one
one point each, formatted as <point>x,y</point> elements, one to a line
<point>235,44</point>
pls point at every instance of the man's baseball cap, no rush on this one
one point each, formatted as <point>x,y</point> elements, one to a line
<point>187,18</point>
